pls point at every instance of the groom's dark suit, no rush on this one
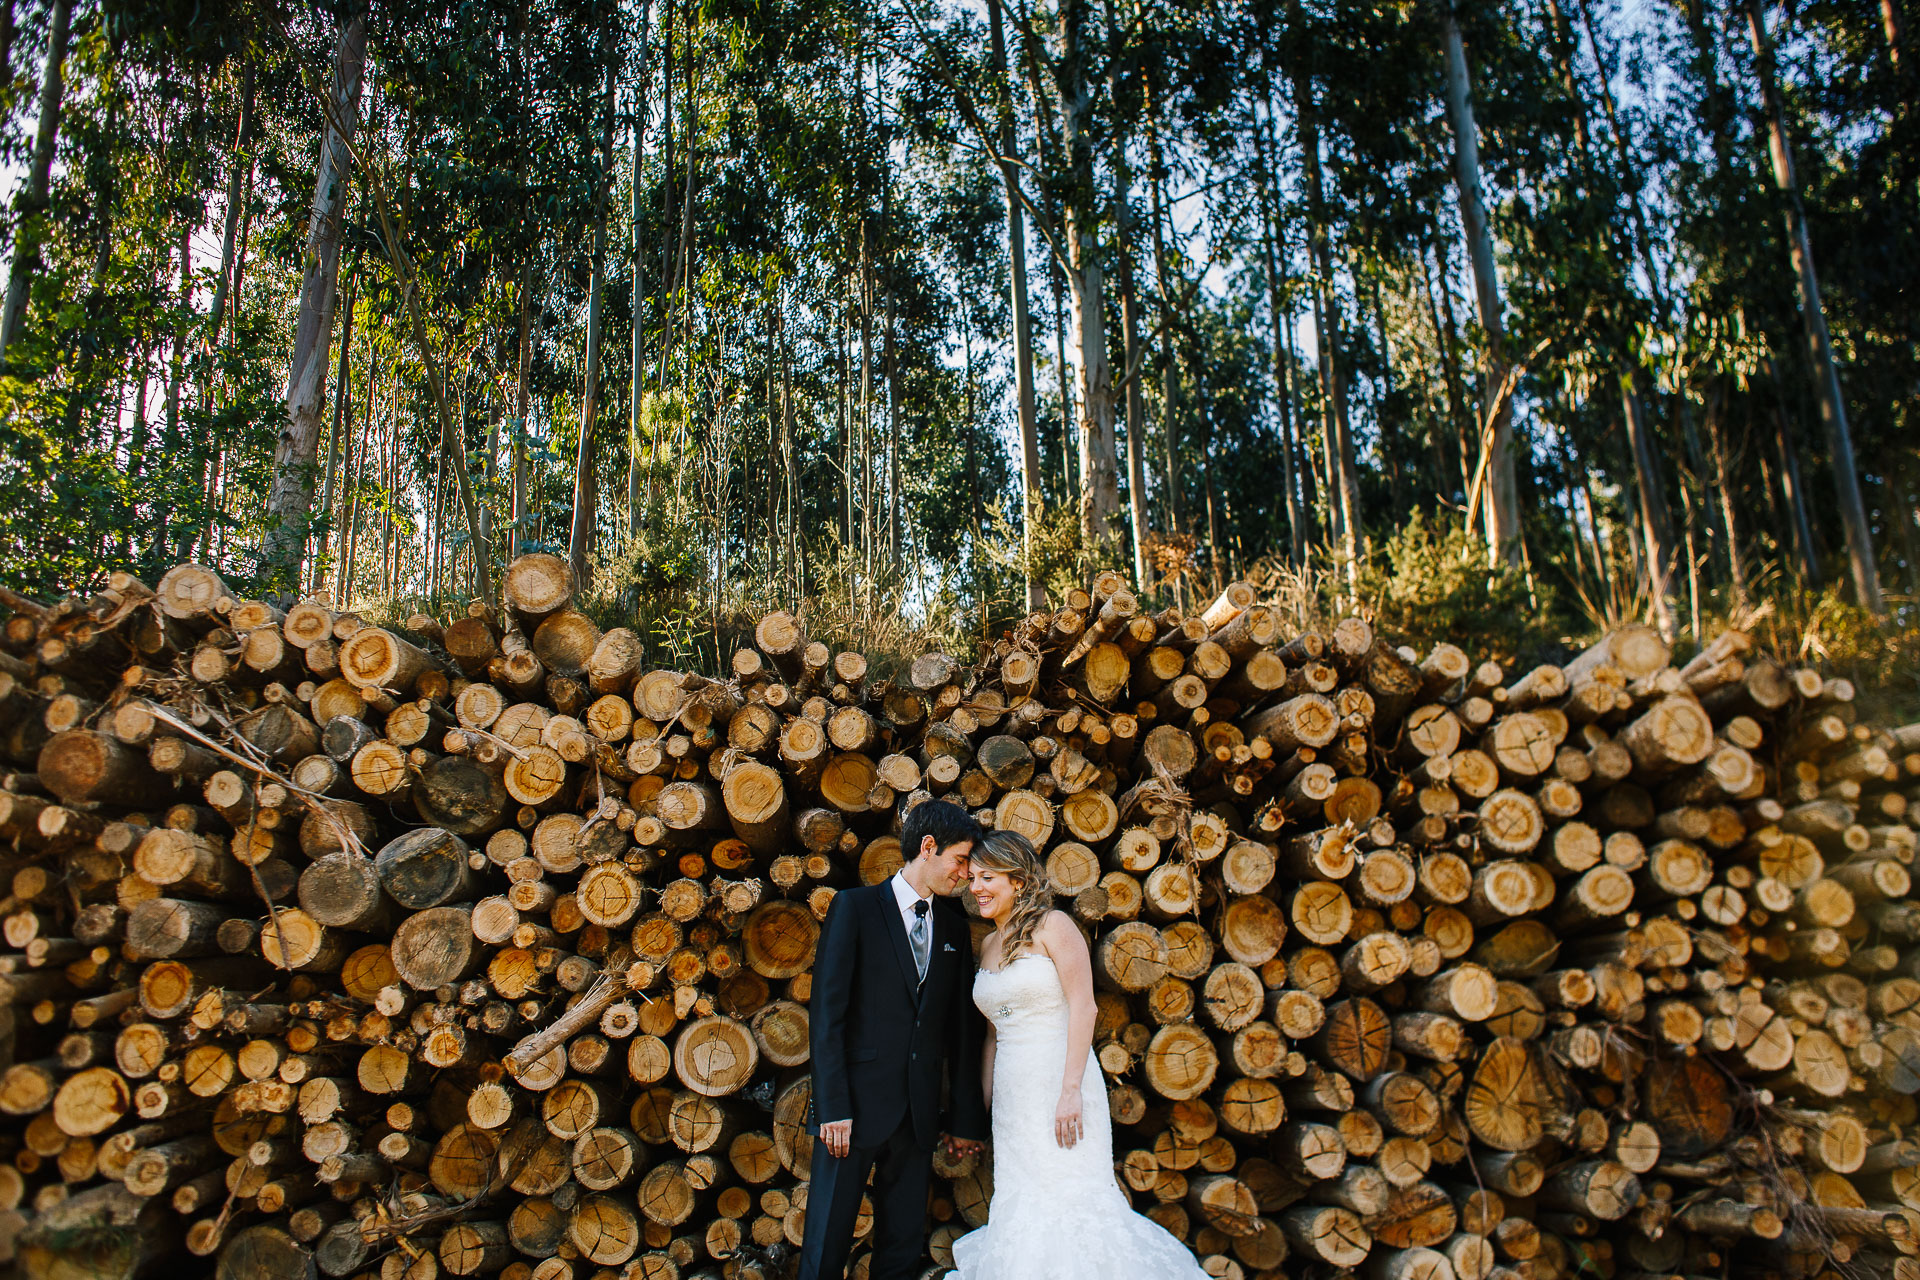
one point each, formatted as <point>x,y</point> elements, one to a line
<point>880,1040</point>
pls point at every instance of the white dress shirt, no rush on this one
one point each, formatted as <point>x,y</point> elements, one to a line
<point>905,895</point>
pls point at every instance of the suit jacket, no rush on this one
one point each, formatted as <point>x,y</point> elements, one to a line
<point>880,1036</point>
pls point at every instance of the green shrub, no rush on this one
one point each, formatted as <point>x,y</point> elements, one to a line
<point>1430,582</point>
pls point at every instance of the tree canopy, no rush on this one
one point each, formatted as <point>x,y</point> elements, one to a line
<point>918,308</point>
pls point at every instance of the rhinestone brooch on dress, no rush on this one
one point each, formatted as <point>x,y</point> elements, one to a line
<point>1005,1011</point>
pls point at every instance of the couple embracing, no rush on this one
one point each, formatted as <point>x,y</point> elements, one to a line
<point>895,994</point>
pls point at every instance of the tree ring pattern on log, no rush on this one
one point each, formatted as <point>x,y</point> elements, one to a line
<point>1527,925</point>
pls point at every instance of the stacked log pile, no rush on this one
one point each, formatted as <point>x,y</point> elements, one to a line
<point>475,948</point>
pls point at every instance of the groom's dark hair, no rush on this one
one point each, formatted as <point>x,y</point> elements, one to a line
<point>944,820</point>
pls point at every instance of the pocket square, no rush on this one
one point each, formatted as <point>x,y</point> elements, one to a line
<point>949,947</point>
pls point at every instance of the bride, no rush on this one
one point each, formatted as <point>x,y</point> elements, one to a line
<point>1056,1213</point>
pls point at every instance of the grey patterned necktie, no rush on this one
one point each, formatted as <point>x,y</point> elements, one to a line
<point>922,937</point>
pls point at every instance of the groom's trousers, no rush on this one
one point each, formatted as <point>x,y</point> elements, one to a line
<point>901,1171</point>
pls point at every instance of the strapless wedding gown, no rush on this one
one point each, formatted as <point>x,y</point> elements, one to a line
<point>1056,1213</point>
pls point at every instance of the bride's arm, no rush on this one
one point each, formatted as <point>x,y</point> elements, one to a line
<point>986,1066</point>
<point>1075,967</point>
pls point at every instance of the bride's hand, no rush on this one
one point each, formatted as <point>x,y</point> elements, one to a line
<point>1067,1127</point>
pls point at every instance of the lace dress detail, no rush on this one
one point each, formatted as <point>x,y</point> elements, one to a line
<point>1056,1213</point>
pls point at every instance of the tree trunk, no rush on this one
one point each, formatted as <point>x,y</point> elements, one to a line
<point>390,548</point>
<point>889,336</point>
<point>290,498</point>
<point>176,363</point>
<point>843,423</point>
<point>666,195</point>
<point>1496,436</point>
<point>795,547</point>
<point>682,264</point>
<point>341,398</point>
<point>585,490</point>
<point>1792,486</point>
<point>82,395</point>
<point>452,436</point>
<point>1086,285</point>
<point>1656,517</point>
<point>864,434</point>
<point>1280,322</point>
<point>1060,381</point>
<point>1716,114</point>
<point>1826,375</point>
<point>8,29</point>
<point>971,463</point>
<point>1022,323</point>
<point>490,465</point>
<point>1443,331</point>
<point>635,507</point>
<point>240,250</point>
<point>1723,488</point>
<point>349,458</point>
<point>356,470</point>
<point>1216,552</point>
<point>209,500</point>
<point>1169,371</point>
<point>434,542</point>
<point>1093,380</point>
<point>1343,487</point>
<point>138,439</point>
<point>895,428</point>
<point>30,206</point>
<point>239,180</point>
<point>1636,391</point>
<point>1136,402</point>
<point>517,505</point>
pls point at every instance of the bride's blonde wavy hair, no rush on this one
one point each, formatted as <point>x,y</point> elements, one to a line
<point>1013,855</point>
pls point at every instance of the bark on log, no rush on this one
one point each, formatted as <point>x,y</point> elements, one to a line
<point>1372,936</point>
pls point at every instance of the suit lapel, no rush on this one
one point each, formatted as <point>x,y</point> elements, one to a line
<point>897,931</point>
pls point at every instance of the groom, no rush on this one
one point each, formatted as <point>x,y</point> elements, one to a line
<point>892,1005</point>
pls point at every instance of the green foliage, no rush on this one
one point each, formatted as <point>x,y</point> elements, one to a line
<point>653,582</point>
<point>1053,552</point>
<point>806,333</point>
<point>1429,581</point>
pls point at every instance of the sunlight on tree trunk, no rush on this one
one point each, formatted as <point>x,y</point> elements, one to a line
<point>517,499</point>
<point>30,205</point>
<point>636,508</point>
<point>1496,437</point>
<point>1826,374</point>
<point>1031,496</point>
<point>585,486</point>
<point>1656,518</point>
<point>1279,321</point>
<point>1086,287</point>
<point>239,180</point>
<point>1343,484</point>
<point>290,500</point>
<point>1136,401</point>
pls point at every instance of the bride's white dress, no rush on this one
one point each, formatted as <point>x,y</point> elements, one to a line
<point>1056,1213</point>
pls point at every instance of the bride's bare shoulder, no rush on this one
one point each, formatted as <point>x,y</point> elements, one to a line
<point>1057,930</point>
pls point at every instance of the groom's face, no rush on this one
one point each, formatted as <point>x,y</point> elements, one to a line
<point>951,865</point>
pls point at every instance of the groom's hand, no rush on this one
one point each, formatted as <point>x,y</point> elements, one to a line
<point>838,1135</point>
<point>961,1148</point>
